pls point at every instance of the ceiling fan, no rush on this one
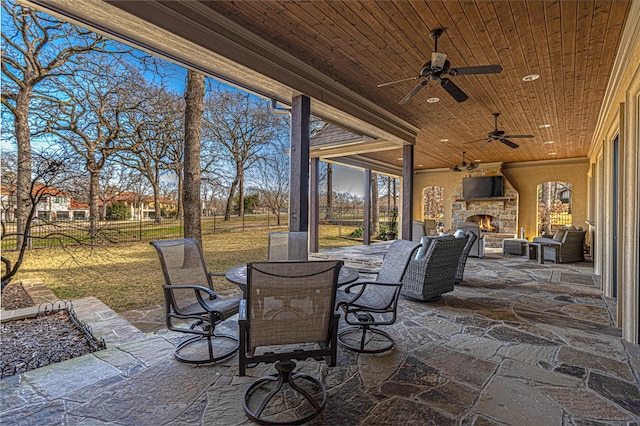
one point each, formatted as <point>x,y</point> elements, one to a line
<point>499,135</point>
<point>464,165</point>
<point>437,68</point>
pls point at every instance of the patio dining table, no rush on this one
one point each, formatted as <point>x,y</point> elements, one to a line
<point>238,275</point>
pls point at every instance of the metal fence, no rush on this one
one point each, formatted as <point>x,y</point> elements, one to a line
<point>52,234</point>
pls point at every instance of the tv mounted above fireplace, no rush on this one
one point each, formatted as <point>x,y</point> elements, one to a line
<point>482,187</point>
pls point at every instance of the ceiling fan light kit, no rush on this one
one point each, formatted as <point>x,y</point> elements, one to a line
<point>439,67</point>
<point>464,165</point>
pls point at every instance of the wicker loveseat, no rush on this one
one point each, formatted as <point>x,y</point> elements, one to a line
<point>568,242</point>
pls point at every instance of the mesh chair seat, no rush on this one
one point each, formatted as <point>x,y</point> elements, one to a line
<point>370,304</point>
<point>192,306</point>
<point>288,315</point>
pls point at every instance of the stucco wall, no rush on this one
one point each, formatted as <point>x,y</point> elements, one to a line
<point>525,177</point>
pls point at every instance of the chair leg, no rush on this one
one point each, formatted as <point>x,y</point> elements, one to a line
<point>365,339</point>
<point>219,347</point>
<point>285,376</point>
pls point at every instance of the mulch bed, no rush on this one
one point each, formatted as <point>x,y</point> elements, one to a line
<point>35,342</point>
<point>15,297</point>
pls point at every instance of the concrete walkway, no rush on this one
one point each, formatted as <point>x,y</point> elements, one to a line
<point>516,343</point>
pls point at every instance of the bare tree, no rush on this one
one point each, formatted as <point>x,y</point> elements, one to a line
<point>160,128</point>
<point>98,114</point>
<point>194,107</point>
<point>49,173</point>
<point>273,182</point>
<point>35,48</point>
<point>8,162</point>
<point>243,126</point>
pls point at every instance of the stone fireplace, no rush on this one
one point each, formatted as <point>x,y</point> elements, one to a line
<point>497,217</point>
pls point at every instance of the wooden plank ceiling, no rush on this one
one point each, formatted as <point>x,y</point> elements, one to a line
<point>570,44</point>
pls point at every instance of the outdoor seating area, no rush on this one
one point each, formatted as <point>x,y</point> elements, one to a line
<point>516,342</point>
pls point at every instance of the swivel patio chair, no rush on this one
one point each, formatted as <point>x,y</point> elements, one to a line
<point>375,303</point>
<point>288,246</point>
<point>471,238</point>
<point>192,306</point>
<point>288,314</point>
<point>433,272</point>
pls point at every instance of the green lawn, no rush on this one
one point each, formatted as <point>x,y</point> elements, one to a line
<point>128,276</point>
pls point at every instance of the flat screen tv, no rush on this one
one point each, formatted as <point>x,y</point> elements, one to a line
<point>482,187</point>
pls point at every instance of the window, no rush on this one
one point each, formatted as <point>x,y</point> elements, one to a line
<point>434,204</point>
<point>554,206</point>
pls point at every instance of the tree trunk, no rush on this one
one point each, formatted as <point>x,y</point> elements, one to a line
<point>156,203</point>
<point>375,209</point>
<point>23,181</point>
<point>240,173</point>
<point>180,192</point>
<point>232,190</point>
<point>94,192</point>
<point>329,215</point>
<point>194,97</point>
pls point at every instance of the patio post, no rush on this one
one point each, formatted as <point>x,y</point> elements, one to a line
<point>366,220</point>
<point>299,172</point>
<point>314,211</point>
<point>407,191</point>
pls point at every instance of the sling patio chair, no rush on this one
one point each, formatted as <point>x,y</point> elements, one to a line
<point>288,246</point>
<point>288,314</point>
<point>367,305</point>
<point>192,306</point>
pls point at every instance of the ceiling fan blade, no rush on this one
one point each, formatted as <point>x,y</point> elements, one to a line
<point>517,136</point>
<point>508,143</point>
<point>479,69</point>
<point>453,90</point>
<point>398,81</point>
<point>412,93</point>
<point>455,169</point>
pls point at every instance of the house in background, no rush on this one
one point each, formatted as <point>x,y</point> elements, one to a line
<point>141,206</point>
<point>58,205</point>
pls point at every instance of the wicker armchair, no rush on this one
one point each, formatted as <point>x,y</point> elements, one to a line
<point>288,314</point>
<point>367,305</point>
<point>471,238</point>
<point>477,248</point>
<point>433,272</point>
<point>191,304</point>
<point>288,246</point>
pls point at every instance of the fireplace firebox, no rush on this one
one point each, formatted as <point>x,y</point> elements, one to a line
<point>486,222</point>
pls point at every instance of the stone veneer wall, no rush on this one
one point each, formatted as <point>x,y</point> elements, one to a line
<point>505,210</point>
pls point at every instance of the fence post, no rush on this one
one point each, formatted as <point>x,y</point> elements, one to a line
<point>140,228</point>
<point>242,221</point>
<point>214,222</point>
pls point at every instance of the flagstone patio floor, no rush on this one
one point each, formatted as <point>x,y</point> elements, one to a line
<point>516,343</point>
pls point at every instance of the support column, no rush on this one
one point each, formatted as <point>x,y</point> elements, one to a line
<point>314,211</point>
<point>366,225</point>
<point>407,191</point>
<point>299,174</point>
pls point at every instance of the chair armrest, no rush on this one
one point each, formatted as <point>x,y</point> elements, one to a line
<point>197,290</point>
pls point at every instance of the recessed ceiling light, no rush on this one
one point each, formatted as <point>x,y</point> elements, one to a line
<point>399,158</point>
<point>552,153</point>
<point>420,165</point>
<point>548,142</point>
<point>544,126</point>
<point>530,77</point>
<point>444,140</point>
<point>433,100</point>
